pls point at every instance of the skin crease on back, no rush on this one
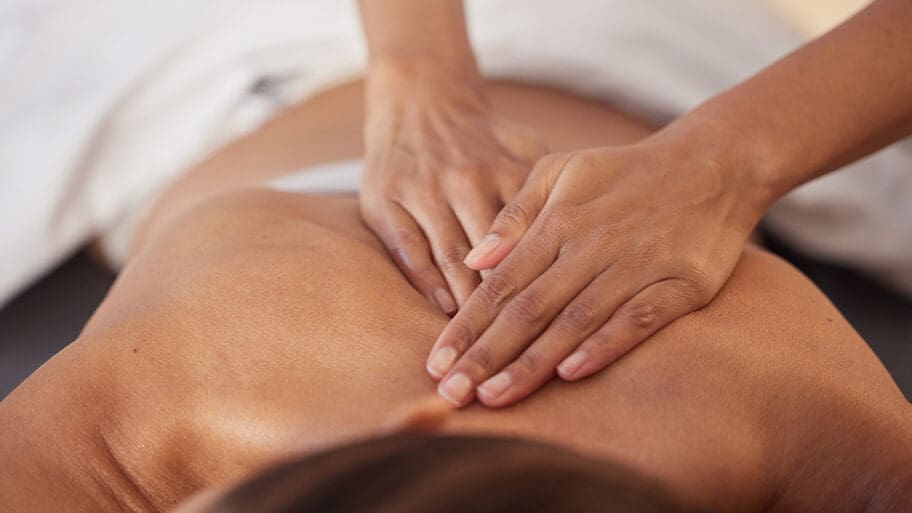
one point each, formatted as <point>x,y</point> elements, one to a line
<point>252,324</point>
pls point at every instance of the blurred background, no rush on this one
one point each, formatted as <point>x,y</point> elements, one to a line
<point>104,101</point>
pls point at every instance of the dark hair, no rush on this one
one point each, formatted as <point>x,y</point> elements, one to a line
<point>412,473</point>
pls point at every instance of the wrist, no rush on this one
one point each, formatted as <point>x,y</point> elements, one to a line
<point>743,165</point>
<point>764,157</point>
<point>461,63</point>
<point>414,32</point>
<point>417,84</point>
<point>424,72</point>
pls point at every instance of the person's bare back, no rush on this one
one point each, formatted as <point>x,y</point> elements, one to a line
<point>258,323</point>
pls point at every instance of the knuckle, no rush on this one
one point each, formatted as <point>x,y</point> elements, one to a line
<point>404,241</point>
<point>578,317</point>
<point>562,224</point>
<point>643,315</point>
<point>568,247</point>
<point>453,256</point>
<point>528,364</point>
<point>699,285</point>
<point>694,268</point>
<point>546,237</point>
<point>599,341</point>
<point>645,252</point>
<point>387,196</point>
<point>424,273</point>
<point>686,293</point>
<point>479,361</point>
<point>461,336</point>
<point>527,308</point>
<point>497,288</point>
<point>701,297</point>
<point>514,213</point>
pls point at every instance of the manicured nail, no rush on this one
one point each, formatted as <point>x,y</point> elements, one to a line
<point>571,365</point>
<point>456,388</point>
<point>496,386</point>
<point>445,301</point>
<point>441,361</point>
<point>488,244</point>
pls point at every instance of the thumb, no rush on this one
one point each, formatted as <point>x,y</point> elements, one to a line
<point>516,216</point>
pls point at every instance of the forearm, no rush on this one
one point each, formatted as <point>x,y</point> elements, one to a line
<point>419,56</point>
<point>830,102</point>
<point>417,31</point>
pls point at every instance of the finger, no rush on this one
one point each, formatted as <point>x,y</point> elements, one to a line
<point>475,214</point>
<point>409,249</point>
<point>449,247</point>
<point>518,215</point>
<point>576,321</point>
<point>647,312</point>
<point>520,322</point>
<point>533,255</point>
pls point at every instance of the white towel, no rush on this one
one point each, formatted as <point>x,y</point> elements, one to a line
<point>103,102</point>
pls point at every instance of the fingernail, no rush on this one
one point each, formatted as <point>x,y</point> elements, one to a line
<point>456,388</point>
<point>441,361</point>
<point>571,365</point>
<point>445,301</point>
<point>488,244</point>
<point>496,386</point>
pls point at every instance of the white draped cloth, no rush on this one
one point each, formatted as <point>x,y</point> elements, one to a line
<point>102,103</point>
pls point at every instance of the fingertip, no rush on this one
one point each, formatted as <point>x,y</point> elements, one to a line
<point>509,398</point>
<point>494,392</point>
<point>495,403</point>
<point>445,301</point>
<point>479,265</point>
<point>484,263</point>
<point>480,252</point>
<point>492,258</point>
<point>457,389</point>
<point>574,366</point>
<point>441,361</point>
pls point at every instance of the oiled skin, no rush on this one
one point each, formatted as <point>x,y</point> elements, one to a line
<point>255,324</point>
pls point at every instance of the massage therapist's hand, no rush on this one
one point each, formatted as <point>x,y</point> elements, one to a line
<point>599,250</point>
<point>439,166</point>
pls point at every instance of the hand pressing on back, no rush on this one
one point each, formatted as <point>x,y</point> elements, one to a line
<point>599,250</point>
<point>439,165</point>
